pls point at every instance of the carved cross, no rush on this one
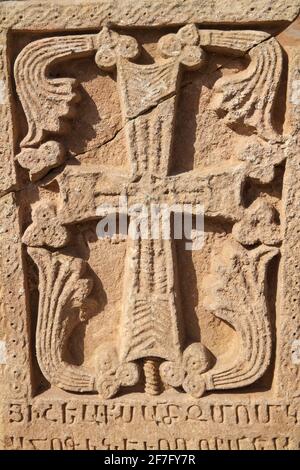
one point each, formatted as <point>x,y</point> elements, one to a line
<point>151,329</point>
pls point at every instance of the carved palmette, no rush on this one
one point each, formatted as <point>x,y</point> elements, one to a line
<point>62,292</point>
<point>236,293</point>
<point>248,97</point>
<point>47,100</point>
<point>63,303</point>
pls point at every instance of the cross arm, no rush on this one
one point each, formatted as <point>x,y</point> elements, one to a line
<point>219,191</point>
<point>84,189</point>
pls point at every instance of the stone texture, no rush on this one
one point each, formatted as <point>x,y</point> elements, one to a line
<point>122,343</point>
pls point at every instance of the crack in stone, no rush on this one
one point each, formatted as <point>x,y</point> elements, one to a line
<point>142,113</point>
<point>57,170</point>
<point>259,43</point>
<point>154,106</point>
<point>103,144</point>
<point>171,95</point>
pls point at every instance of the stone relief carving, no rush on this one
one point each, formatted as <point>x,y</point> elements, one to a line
<point>106,109</point>
<point>151,330</point>
<point>37,91</point>
<point>249,97</point>
<point>63,292</point>
<point>242,273</point>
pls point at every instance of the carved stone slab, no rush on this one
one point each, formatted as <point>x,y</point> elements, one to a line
<point>122,342</point>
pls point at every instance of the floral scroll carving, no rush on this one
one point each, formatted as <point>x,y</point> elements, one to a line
<point>64,302</point>
<point>248,98</point>
<point>63,292</point>
<point>236,293</point>
<point>47,101</point>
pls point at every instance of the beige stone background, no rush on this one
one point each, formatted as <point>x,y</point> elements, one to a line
<point>201,141</point>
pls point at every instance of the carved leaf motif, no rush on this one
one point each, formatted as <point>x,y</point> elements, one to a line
<point>185,46</point>
<point>39,161</point>
<point>258,225</point>
<point>62,292</point>
<point>236,293</point>
<point>46,101</point>
<point>248,96</point>
<point>231,42</point>
<point>46,228</point>
<point>112,46</point>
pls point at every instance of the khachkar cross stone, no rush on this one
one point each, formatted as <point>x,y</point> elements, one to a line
<point>151,328</point>
<point>124,342</point>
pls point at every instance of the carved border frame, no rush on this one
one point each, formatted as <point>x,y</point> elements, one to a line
<point>83,16</point>
<point>80,14</point>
